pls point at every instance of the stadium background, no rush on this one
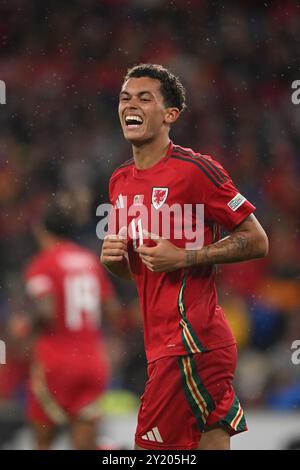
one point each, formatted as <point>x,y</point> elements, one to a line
<point>63,64</point>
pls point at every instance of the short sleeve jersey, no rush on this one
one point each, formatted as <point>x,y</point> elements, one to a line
<point>186,197</point>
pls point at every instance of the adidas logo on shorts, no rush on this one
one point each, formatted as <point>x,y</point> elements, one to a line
<point>153,435</point>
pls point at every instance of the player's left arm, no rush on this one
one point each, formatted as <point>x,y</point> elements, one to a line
<point>40,299</point>
<point>247,241</point>
<point>42,311</point>
<point>228,208</point>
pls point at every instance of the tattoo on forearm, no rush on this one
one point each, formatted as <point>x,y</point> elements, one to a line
<point>234,248</point>
<point>191,257</point>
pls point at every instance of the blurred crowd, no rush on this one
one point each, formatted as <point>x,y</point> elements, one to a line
<point>63,64</point>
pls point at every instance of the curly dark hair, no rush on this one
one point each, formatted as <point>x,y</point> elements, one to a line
<point>171,88</point>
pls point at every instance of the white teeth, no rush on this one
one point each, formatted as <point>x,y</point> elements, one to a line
<point>134,119</point>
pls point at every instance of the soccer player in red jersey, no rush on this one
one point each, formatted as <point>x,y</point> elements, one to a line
<point>68,289</point>
<point>189,401</point>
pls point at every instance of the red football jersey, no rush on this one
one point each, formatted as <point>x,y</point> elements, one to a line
<point>73,276</point>
<point>180,310</point>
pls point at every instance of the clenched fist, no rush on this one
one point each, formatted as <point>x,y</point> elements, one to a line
<point>114,254</point>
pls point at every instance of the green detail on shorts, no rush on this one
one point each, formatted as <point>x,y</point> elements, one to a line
<point>242,426</point>
<point>206,396</point>
<point>233,410</point>
<point>189,338</point>
<point>200,419</point>
<point>235,417</point>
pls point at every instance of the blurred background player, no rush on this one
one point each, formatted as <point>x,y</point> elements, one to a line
<point>69,370</point>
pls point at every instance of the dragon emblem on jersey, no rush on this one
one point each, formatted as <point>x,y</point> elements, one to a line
<point>159,196</point>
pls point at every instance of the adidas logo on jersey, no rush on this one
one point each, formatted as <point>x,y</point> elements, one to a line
<point>153,435</point>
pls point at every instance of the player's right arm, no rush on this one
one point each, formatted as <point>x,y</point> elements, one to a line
<point>114,256</point>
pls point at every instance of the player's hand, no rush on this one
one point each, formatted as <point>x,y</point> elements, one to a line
<point>114,248</point>
<point>163,257</point>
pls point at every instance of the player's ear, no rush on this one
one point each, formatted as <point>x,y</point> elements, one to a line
<point>172,114</point>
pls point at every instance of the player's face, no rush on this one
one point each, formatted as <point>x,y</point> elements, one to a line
<point>142,111</point>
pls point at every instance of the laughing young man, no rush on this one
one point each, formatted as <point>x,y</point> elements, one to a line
<point>189,401</point>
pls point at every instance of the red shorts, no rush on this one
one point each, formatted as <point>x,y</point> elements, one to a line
<point>65,383</point>
<point>184,396</point>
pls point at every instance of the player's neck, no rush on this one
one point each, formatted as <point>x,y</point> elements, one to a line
<point>48,241</point>
<point>148,154</point>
